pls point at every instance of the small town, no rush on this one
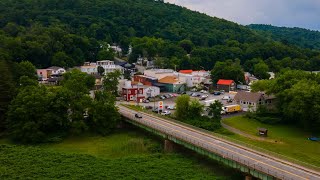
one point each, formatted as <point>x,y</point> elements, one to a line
<point>159,89</point>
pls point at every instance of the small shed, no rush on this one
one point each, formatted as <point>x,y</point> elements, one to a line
<point>263,132</point>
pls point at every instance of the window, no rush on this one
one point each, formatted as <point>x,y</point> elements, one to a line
<point>140,92</point>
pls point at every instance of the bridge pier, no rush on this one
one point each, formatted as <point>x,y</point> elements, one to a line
<point>169,146</point>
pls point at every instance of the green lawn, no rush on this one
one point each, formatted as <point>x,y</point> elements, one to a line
<point>116,145</point>
<point>128,154</point>
<point>285,140</point>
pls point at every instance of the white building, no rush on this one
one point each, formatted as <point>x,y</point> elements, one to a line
<point>151,91</point>
<point>56,70</point>
<point>109,66</point>
<point>195,78</point>
<point>159,73</point>
<point>89,68</point>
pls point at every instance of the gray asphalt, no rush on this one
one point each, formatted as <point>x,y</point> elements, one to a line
<point>255,160</point>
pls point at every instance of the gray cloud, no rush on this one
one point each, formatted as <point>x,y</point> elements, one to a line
<point>291,13</point>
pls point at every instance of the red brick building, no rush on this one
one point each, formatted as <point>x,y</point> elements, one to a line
<point>132,94</point>
<point>145,80</point>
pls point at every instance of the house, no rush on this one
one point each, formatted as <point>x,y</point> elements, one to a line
<point>89,68</point>
<point>45,74</point>
<point>109,66</point>
<point>56,70</point>
<point>173,84</point>
<point>226,85</point>
<point>252,100</point>
<point>132,92</point>
<point>196,77</point>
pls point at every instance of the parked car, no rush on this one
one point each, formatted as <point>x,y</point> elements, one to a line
<point>167,96</point>
<point>137,115</point>
<point>216,93</point>
<point>226,98</point>
<point>203,97</point>
<point>162,97</point>
<point>175,95</point>
<point>194,95</point>
<point>222,91</point>
<point>166,113</point>
<point>204,91</point>
<point>171,107</point>
<point>145,101</point>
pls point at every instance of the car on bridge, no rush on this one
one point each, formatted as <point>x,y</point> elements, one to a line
<point>137,115</point>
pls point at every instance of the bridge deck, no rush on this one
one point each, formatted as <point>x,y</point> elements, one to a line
<point>257,161</point>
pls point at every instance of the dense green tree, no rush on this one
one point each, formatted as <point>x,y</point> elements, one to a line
<point>106,54</point>
<point>182,107</point>
<point>215,110</point>
<point>261,70</point>
<point>103,114</point>
<point>76,87</point>
<point>195,109</point>
<point>31,116</point>
<point>61,59</point>
<point>227,70</point>
<point>7,91</point>
<point>111,81</point>
<point>187,45</point>
<point>100,70</point>
<point>24,68</point>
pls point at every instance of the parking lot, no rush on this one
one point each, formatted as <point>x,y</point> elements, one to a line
<point>209,98</point>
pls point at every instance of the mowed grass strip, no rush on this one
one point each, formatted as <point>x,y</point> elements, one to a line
<point>286,140</point>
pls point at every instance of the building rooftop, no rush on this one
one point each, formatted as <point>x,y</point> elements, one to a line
<point>159,71</point>
<point>149,77</point>
<point>55,68</point>
<point>225,82</point>
<point>169,80</point>
<point>189,71</point>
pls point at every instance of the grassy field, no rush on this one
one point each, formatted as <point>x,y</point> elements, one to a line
<point>285,140</point>
<point>124,155</point>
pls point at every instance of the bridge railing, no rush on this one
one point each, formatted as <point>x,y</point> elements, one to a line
<point>232,140</point>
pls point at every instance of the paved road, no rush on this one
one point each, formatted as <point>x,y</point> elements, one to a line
<point>253,159</point>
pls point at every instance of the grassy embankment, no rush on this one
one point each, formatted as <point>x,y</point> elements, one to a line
<point>284,140</point>
<point>123,155</point>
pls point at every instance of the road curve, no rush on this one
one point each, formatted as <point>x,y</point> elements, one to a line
<point>258,161</point>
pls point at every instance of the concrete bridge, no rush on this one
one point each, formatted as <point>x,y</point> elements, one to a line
<point>253,163</point>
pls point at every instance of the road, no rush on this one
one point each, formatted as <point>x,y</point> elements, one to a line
<point>255,160</point>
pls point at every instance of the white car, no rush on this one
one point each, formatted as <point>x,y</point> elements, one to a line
<point>226,98</point>
<point>166,113</point>
<point>171,107</point>
<point>204,91</point>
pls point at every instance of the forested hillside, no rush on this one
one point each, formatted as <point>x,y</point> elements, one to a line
<point>67,33</point>
<point>303,38</point>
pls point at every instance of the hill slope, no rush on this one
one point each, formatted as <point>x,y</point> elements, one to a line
<point>297,36</point>
<point>67,33</point>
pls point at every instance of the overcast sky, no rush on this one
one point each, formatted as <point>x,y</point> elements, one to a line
<point>290,13</point>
